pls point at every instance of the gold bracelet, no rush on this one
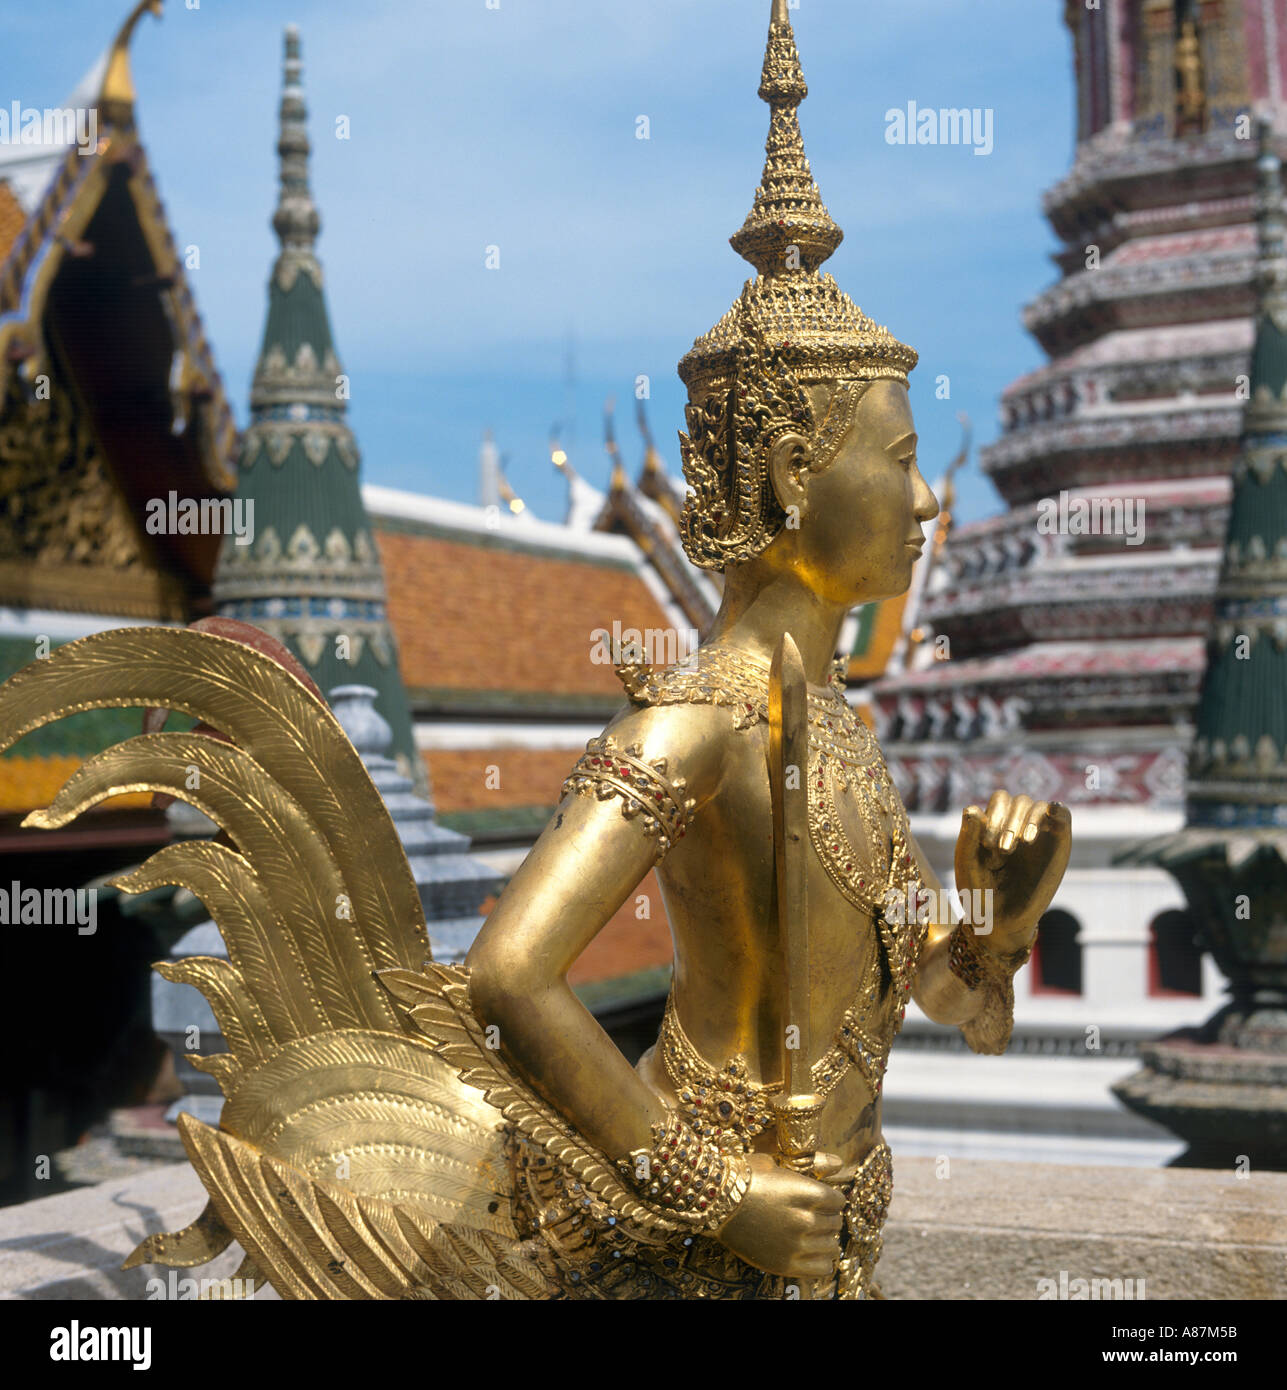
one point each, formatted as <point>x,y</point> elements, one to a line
<point>687,1178</point>
<point>972,964</point>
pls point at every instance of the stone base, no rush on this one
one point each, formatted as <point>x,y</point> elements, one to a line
<point>1228,1104</point>
<point>957,1229</point>
<point>72,1246</point>
<point>982,1230</point>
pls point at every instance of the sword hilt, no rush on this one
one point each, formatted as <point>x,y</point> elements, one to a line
<point>797,1125</point>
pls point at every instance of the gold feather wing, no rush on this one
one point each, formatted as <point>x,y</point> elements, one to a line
<point>350,1160</point>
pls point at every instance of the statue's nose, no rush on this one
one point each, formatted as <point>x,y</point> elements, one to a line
<point>926,504</point>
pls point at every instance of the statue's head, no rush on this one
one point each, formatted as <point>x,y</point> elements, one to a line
<point>800,448</point>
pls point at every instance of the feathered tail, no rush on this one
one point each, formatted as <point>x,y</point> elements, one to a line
<point>350,1160</point>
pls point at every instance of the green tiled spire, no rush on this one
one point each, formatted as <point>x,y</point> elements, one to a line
<point>312,574</point>
<point>1220,1086</point>
<point>1238,771</point>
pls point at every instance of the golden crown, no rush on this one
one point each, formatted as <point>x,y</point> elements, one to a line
<point>791,327</point>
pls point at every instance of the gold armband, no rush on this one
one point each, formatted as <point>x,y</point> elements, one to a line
<point>687,1178</point>
<point>977,968</point>
<point>644,789</point>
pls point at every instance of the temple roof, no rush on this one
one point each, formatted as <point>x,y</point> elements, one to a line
<point>12,218</point>
<point>644,517</point>
<point>468,597</point>
<point>109,395</point>
<point>87,213</point>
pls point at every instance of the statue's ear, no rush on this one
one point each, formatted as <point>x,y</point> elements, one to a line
<point>789,462</point>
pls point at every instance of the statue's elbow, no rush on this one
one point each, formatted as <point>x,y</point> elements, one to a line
<point>503,982</point>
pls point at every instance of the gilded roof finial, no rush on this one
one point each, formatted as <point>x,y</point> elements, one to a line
<point>789,227</point>
<point>296,220</point>
<point>116,96</point>
<point>652,459</point>
<point>510,498</point>
<point>618,482</point>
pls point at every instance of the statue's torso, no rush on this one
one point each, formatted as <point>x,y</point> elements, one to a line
<point>718,883</point>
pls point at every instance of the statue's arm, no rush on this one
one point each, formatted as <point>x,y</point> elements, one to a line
<point>942,995</point>
<point>587,862</point>
<point>1009,860</point>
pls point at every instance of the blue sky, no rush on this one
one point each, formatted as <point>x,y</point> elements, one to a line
<point>515,126</point>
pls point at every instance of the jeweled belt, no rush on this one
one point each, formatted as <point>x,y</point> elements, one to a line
<point>724,1104</point>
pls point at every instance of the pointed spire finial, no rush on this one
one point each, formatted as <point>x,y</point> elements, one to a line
<point>296,220</point>
<point>789,227</point>
<point>610,444</point>
<point>652,459</point>
<point>116,96</point>
<point>489,472</point>
<point>641,419</point>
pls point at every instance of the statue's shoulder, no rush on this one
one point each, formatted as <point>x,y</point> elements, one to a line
<point>689,720</point>
<point>713,676</point>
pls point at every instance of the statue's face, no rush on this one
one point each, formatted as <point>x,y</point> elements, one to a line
<point>860,526</point>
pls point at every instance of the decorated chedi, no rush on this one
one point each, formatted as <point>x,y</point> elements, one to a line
<point>398,1127</point>
<point>312,575</point>
<point>1076,617</point>
<point>1223,1087</point>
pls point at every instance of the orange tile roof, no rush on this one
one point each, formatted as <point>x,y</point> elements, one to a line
<point>528,777</point>
<point>486,617</point>
<point>12,219</point>
<point>521,777</point>
<point>28,783</point>
<point>628,943</point>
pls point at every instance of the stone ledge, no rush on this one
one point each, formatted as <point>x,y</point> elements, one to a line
<point>994,1230</point>
<point>985,1230</point>
<point>72,1245</point>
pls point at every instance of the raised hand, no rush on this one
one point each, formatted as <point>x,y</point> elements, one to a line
<point>1017,852</point>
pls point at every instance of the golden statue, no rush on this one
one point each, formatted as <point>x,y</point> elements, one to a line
<point>399,1128</point>
<point>1190,81</point>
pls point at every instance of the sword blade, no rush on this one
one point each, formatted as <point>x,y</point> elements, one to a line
<point>788,771</point>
